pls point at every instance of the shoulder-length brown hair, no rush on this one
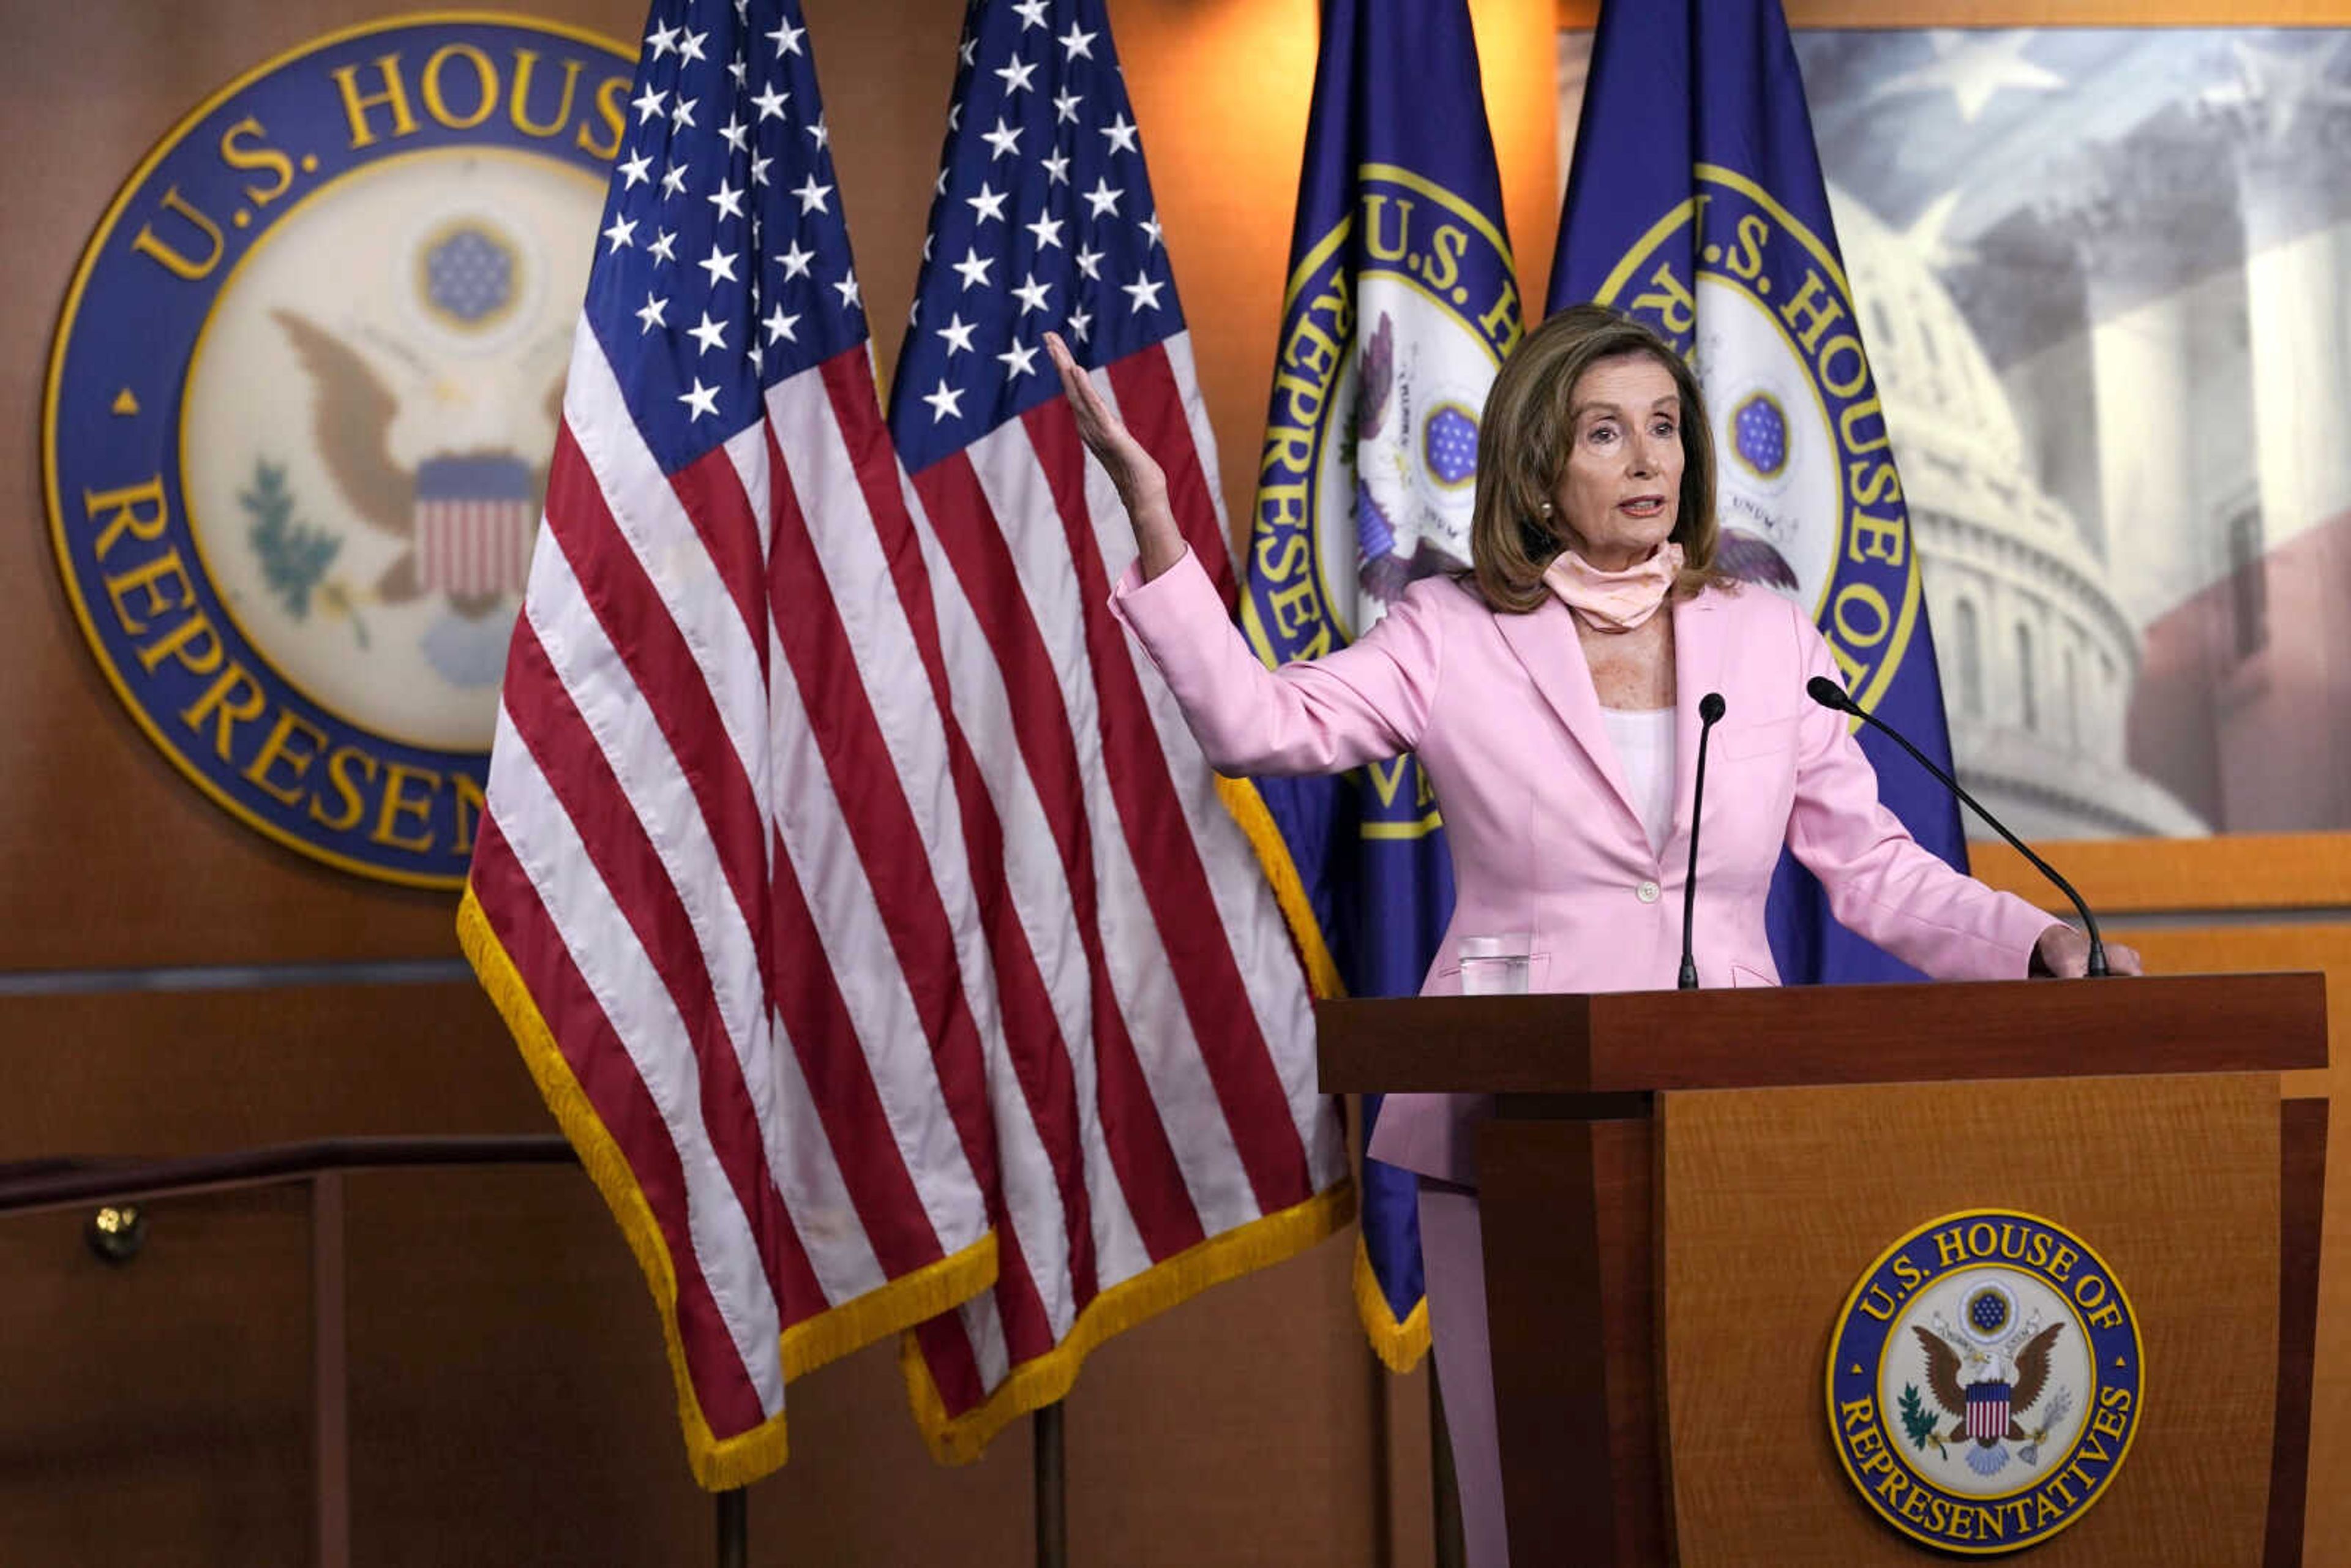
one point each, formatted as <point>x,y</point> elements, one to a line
<point>1523,442</point>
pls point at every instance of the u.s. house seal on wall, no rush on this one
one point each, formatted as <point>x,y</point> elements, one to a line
<point>297,414</point>
<point>1984,1382</point>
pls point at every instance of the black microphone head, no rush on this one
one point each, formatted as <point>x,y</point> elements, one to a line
<point>1828,694</point>
<point>1709,706</point>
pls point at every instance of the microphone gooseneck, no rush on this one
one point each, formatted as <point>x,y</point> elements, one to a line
<point>1709,710</point>
<point>1830,694</point>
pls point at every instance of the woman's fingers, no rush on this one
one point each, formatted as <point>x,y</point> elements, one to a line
<point>1092,414</point>
<point>2065,953</point>
<point>1073,378</point>
<point>2062,952</point>
<point>1105,435</point>
<point>1142,484</point>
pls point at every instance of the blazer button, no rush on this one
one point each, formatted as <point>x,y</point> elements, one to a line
<point>1646,893</point>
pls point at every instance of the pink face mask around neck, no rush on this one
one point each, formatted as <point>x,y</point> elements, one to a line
<point>1615,601</point>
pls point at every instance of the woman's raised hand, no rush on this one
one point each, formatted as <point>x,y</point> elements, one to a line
<point>1142,483</point>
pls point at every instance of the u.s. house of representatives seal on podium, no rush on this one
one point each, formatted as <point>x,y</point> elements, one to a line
<point>298,417</point>
<point>1984,1381</point>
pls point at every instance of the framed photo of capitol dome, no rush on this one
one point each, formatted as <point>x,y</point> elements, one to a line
<point>2102,272</point>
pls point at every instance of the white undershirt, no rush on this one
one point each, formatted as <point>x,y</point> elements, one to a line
<point>1645,750</point>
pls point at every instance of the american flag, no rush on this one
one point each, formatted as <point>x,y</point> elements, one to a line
<point>722,888</point>
<point>1162,1131</point>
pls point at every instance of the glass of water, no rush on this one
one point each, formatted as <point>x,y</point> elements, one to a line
<point>1494,966</point>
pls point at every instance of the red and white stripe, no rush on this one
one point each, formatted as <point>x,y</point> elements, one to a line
<point>473,548</point>
<point>1161,1091</point>
<point>724,852</point>
<point>1988,1416</point>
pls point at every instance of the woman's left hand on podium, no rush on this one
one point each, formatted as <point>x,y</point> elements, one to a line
<point>2064,953</point>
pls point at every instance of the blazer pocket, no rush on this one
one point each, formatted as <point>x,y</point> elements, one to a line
<point>1740,975</point>
<point>1760,738</point>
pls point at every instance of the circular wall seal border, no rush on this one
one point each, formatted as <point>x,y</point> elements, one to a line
<point>117,399</point>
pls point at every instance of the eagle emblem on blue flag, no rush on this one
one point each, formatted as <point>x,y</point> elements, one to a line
<point>1810,503</point>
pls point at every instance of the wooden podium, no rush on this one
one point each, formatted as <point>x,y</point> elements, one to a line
<point>1680,1190</point>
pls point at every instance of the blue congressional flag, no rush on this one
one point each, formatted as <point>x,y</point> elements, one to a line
<point>1401,303</point>
<point>1696,204</point>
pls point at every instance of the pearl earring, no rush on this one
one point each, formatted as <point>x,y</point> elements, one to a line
<point>1547,509</point>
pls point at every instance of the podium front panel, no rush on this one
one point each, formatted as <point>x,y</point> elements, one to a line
<point>1773,1203</point>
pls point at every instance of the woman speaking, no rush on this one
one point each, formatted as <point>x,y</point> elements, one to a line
<point>1551,696</point>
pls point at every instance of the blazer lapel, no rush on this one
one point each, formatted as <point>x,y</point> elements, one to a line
<point>1544,643</point>
<point>1700,650</point>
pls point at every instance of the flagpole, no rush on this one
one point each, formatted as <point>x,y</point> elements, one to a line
<point>1383,1457</point>
<point>734,1529</point>
<point>1444,1486</point>
<point>1052,1487</point>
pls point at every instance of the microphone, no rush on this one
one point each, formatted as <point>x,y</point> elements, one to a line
<point>1830,694</point>
<point>1709,710</point>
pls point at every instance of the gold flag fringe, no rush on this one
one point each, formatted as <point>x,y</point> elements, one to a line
<point>719,1464</point>
<point>1399,1345</point>
<point>1246,807</point>
<point>960,1439</point>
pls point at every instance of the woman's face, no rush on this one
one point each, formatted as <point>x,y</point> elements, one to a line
<point>1616,498</point>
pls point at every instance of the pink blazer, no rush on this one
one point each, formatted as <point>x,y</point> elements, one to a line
<point>1502,714</point>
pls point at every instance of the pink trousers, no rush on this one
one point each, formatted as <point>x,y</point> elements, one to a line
<point>1452,1260</point>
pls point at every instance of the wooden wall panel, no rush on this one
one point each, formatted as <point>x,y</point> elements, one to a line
<point>1178,1436</point>
<point>156,1074</point>
<point>2234,871</point>
<point>509,1402</point>
<point>1408,1440</point>
<point>509,1398</point>
<point>156,1412</point>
